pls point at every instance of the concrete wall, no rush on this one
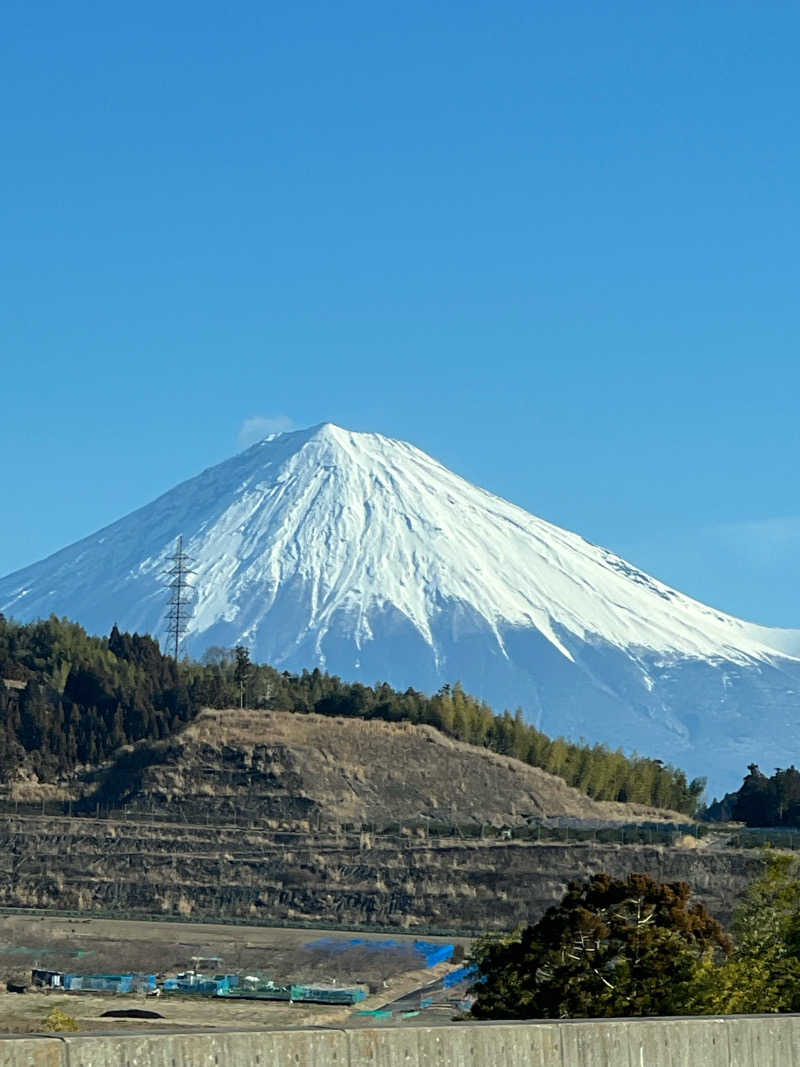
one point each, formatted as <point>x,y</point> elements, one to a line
<point>736,1041</point>
<point>31,1052</point>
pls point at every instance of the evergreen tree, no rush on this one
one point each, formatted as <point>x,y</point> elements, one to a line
<point>610,948</point>
<point>753,806</point>
<point>242,670</point>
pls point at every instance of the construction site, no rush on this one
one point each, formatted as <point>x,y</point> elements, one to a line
<point>189,974</point>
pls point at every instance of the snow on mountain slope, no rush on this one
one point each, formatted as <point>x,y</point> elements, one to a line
<point>364,555</point>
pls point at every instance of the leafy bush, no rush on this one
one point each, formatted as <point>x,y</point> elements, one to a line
<point>58,1022</point>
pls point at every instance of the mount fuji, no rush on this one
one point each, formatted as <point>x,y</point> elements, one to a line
<point>363,555</point>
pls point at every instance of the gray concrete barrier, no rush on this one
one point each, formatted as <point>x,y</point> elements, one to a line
<point>647,1042</point>
<point>765,1040</point>
<point>292,1048</point>
<point>31,1052</point>
<point>735,1041</point>
<point>456,1046</point>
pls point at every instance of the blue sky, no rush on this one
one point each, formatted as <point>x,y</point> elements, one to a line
<point>555,245</point>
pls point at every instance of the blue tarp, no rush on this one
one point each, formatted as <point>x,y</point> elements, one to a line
<point>429,952</point>
<point>335,944</point>
<point>433,953</point>
<point>461,975</point>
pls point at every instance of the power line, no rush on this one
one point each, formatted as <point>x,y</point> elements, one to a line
<point>179,611</point>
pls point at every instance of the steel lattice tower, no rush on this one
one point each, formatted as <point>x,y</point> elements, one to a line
<point>179,611</point>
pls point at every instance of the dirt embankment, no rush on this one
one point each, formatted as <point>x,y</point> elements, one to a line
<point>266,817</point>
<point>281,769</point>
<point>350,880</point>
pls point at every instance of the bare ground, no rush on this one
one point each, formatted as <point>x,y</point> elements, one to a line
<point>287,768</point>
<point>109,945</point>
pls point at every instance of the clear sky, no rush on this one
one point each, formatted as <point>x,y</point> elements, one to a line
<point>553,244</point>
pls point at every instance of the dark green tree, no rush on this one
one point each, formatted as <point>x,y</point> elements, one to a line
<point>242,671</point>
<point>753,804</point>
<point>610,948</point>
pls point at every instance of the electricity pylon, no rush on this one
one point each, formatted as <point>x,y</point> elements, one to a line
<point>179,611</point>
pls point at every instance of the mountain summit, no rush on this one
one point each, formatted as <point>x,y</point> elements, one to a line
<point>363,555</point>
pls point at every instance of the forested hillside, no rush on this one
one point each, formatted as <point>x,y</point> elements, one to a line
<point>68,698</point>
<point>762,801</point>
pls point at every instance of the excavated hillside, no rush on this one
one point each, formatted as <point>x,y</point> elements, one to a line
<point>279,768</point>
<point>277,817</point>
<point>135,868</point>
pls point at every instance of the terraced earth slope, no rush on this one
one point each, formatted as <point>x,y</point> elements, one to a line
<point>293,771</point>
<point>274,817</point>
<point>135,868</point>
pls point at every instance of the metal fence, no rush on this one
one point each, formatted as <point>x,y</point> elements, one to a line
<point>549,831</point>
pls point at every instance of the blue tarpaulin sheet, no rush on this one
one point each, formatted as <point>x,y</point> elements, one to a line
<point>429,952</point>
<point>461,975</point>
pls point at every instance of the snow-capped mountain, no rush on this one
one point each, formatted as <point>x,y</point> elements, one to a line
<point>365,556</point>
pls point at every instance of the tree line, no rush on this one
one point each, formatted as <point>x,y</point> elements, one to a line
<point>636,947</point>
<point>67,698</point>
<point>761,800</point>
<point>74,699</point>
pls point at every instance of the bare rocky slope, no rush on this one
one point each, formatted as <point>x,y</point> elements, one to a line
<point>279,769</point>
<point>274,817</point>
